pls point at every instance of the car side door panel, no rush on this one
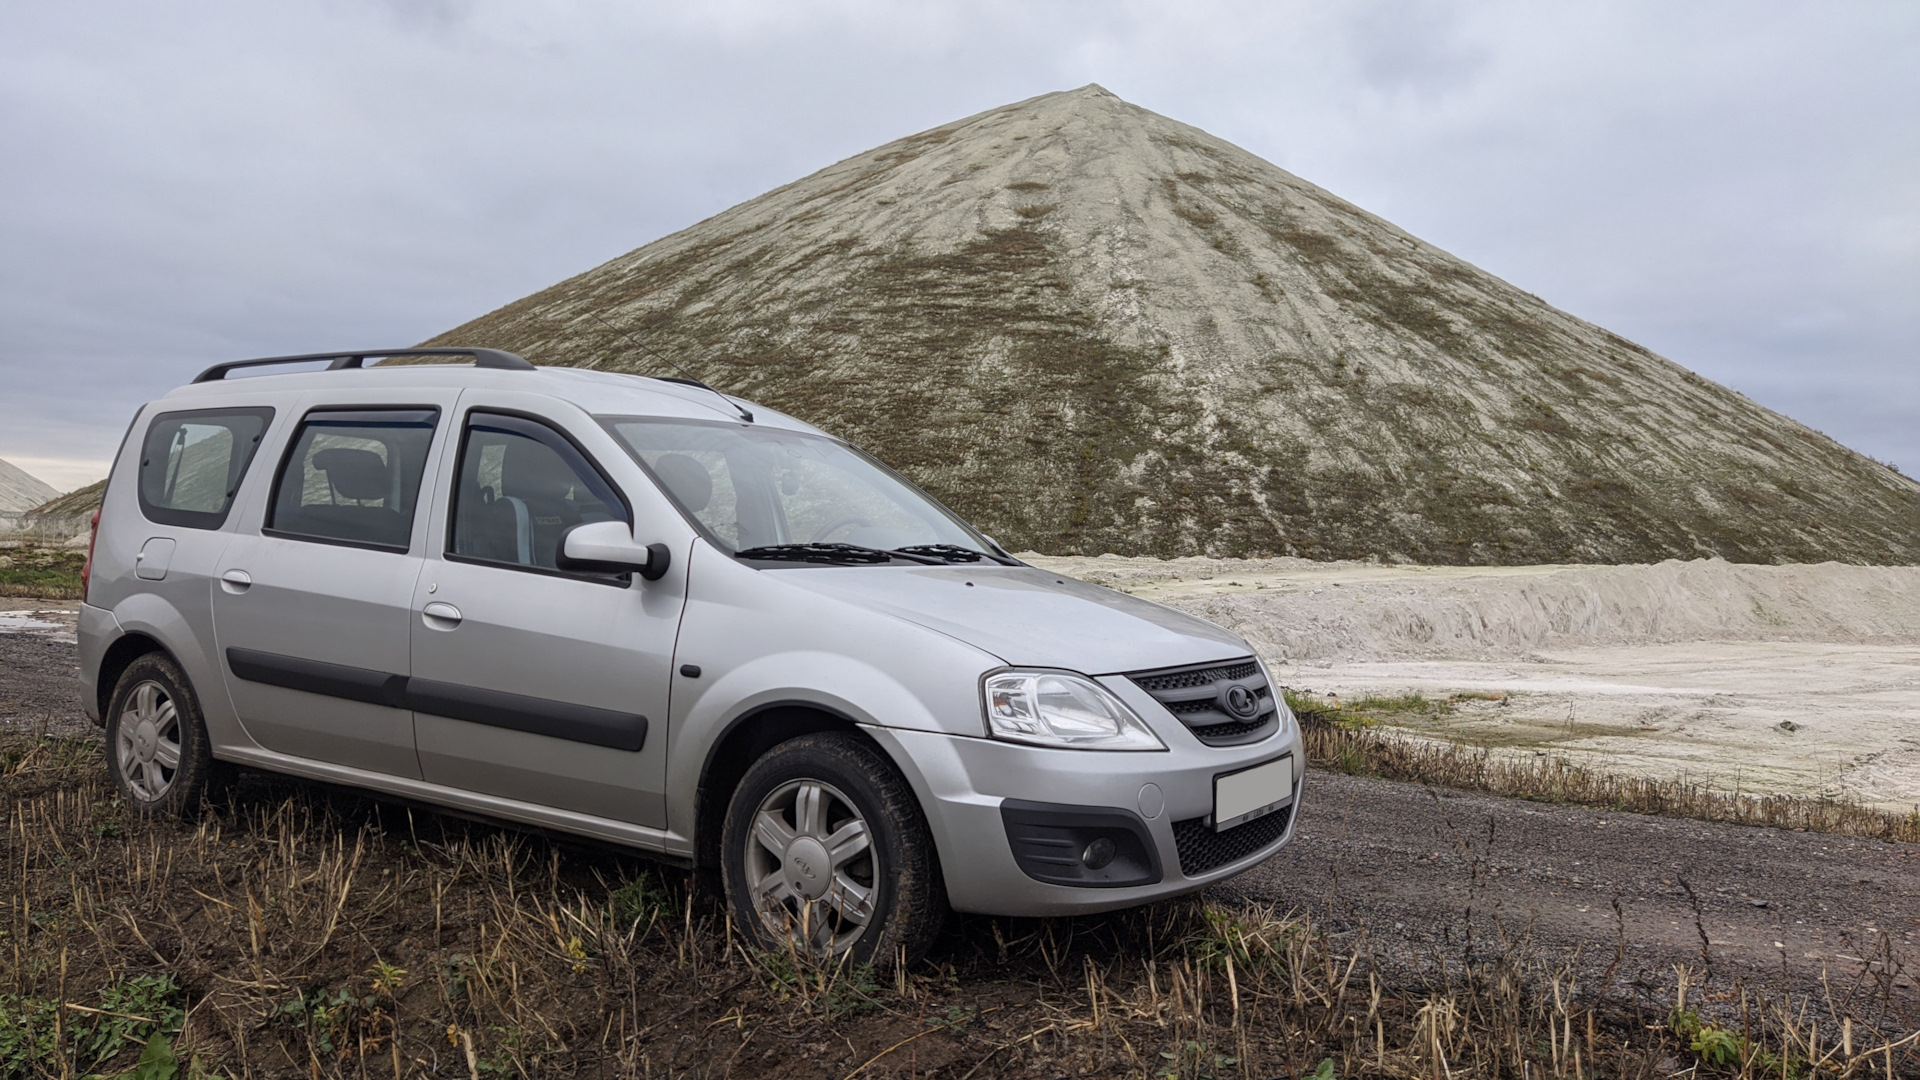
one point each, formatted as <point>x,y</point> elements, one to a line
<point>530,683</point>
<point>312,625</point>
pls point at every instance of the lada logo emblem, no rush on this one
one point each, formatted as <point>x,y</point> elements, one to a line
<point>1242,702</point>
<point>802,864</point>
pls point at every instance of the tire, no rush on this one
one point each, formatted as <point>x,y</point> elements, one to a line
<point>157,748</point>
<point>879,903</point>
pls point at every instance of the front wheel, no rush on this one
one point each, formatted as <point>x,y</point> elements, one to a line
<point>826,850</point>
<point>157,749</point>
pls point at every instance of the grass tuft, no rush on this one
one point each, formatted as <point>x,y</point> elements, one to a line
<point>51,573</point>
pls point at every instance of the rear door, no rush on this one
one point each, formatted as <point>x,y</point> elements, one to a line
<point>312,603</point>
<point>192,463</point>
<point>531,682</point>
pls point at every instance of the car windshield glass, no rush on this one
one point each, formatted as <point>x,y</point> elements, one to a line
<point>758,487</point>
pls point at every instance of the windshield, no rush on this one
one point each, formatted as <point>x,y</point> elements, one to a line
<point>755,488</point>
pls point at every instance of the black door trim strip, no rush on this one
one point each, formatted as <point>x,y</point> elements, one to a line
<point>317,677</point>
<point>536,716</point>
<point>495,708</point>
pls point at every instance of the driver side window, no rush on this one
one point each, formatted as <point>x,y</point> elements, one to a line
<point>520,487</point>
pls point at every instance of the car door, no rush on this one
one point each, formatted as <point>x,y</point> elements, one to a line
<point>191,465</point>
<point>531,682</point>
<point>312,605</point>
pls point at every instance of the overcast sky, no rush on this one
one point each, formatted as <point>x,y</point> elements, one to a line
<point>1736,186</point>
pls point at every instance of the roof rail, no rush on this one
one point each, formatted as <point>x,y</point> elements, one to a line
<point>486,358</point>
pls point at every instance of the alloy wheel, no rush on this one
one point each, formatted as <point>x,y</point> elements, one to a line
<point>812,867</point>
<point>148,747</point>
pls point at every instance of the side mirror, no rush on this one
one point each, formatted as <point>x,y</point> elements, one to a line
<point>609,547</point>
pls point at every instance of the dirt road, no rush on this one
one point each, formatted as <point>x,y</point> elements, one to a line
<point>1778,909</point>
<point>39,668</point>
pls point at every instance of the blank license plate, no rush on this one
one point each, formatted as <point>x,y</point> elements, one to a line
<point>1251,793</point>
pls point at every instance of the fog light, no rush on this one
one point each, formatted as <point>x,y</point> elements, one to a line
<point>1097,847</point>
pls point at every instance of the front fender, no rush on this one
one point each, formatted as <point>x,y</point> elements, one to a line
<point>854,690</point>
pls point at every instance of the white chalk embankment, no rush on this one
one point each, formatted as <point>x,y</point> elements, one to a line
<point>1796,679</point>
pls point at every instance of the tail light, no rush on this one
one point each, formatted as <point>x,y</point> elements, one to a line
<point>86,568</point>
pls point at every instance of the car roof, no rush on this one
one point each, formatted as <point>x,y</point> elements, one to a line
<point>601,393</point>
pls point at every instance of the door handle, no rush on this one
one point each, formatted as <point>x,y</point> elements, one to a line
<point>236,581</point>
<point>440,616</point>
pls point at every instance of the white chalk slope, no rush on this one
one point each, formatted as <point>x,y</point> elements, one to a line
<point>20,490</point>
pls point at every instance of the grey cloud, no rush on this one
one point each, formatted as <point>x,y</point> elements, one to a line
<point>1728,184</point>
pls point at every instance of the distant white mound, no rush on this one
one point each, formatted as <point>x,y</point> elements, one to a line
<point>20,490</point>
<point>1798,679</point>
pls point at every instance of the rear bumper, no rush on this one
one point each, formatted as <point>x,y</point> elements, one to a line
<point>985,798</point>
<point>97,629</point>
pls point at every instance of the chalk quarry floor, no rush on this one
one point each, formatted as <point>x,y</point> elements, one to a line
<point>1805,716</point>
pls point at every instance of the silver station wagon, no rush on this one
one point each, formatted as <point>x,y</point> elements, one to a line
<point>637,610</point>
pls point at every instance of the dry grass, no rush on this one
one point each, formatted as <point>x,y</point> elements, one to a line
<point>299,932</point>
<point>1343,737</point>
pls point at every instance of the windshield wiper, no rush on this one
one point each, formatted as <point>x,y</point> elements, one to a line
<point>953,553</point>
<point>850,554</point>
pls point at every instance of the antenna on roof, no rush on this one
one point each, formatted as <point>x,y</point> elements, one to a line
<point>685,377</point>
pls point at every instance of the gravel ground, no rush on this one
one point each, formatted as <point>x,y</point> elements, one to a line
<point>1805,912</point>
<point>39,669</point>
<point>1416,868</point>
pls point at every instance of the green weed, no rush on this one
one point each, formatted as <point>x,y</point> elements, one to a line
<point>836,988</point>
<point>325,1015</point>
<point>130,1012</point>
<point>1255,938</point>
<point>157,1062</point>
<point>1193,1059</point>
<point>1722,1048</point>
<point>332,1018</point>
<point>640,900</point>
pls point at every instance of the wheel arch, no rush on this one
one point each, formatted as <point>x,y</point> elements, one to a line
<point>114,662</point>
<point>740,744</point>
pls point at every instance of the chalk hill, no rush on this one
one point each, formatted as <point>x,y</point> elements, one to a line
<point>20,490</point>
<point>78,501</point>
<point>1091,328</point>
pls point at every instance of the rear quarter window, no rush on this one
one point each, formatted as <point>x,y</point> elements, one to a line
<point>191,463</point>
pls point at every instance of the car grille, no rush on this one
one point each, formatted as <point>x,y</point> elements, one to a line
<point>1201,849</point>
<point>1198,696</point>
<point>1203,675</point>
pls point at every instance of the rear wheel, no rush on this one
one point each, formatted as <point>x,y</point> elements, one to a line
<point>826,850</point>
<point>157,749</point>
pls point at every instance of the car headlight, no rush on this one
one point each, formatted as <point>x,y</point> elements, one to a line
<point>1056,708</point>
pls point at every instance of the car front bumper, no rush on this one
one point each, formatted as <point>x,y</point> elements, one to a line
<point>978,791</point>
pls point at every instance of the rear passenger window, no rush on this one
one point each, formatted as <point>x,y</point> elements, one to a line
<point>192,464</point>
<point>353,477</point>
<point>521,486</point>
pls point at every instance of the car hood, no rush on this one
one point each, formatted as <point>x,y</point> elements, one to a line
<point>1029,617</point>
